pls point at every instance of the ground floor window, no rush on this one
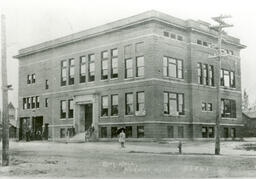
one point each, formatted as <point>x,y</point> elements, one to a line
<point>114,132</point>
<point>62,132</point>
<point>208,132</point>
<point>225,133</point>
<point>128,131</point>
<point>170,131</point>
<point>103,132</point>
<point>140,131</point>
<point>233,132</point>
<point>180,132</point>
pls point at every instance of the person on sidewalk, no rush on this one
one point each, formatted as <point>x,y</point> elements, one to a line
<point>122,138</point>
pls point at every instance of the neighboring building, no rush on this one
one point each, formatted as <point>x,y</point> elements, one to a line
<point>249,118</point>
<point>12,121</point>
<point>150,73</point>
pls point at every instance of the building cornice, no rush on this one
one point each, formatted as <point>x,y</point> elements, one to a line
<point>114,26</point>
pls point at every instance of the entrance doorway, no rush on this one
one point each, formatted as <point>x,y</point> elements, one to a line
<point>87,116</point>
<point>37,128</point>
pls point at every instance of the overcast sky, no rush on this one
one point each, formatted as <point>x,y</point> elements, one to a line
<point>32,21</point>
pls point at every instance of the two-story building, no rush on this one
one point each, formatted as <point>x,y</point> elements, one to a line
<point>150,73</point>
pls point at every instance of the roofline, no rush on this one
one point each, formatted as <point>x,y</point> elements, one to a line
<point>117,25</point>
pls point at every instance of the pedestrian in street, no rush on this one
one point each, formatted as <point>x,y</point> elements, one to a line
<point>122,138</point>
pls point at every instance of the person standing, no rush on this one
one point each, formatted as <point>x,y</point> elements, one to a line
<point>122,138</point>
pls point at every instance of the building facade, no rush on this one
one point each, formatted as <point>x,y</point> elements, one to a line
<point>150,73</point>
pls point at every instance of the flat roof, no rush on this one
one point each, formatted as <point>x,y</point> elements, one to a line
<point>199,26</point>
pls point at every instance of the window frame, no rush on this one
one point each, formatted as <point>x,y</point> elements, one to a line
<point>130,104</point>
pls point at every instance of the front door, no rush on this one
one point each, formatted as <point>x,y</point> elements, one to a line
<point>87,116</point>
<point>37,128</point>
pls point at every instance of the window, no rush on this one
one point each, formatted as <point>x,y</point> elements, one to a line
<point>70,108</point>
<point>114,132</point>
<point>63,73</point>
<point>166,34</point>
<point>114,63</point>
<point>173,36</point>
<point>103,132</point>
<point>33,104</point>
<point>172,67</point>
<point>228,108</point>
<point>37,101</point>
<point>24,103</point>
<point>104,106</point>
<point>29,80</point>
<point>63,109</point>
<point>180,132</point>
<point>28,103</point>
<point>128,131</point>
<point>128,103</point>
<point>33,78</point>
<point>140,131</point>
<point>62,132</point>
<point>204,132</point>
<point>139,48</point>
<point>140,66</point>
<point>199,73</point>
<point>128,68</point>
<point>205,74</point>
<point>170,132</point>
<point>174,103</point>
<point>208,132</point>
<point>114,105</point>
<point>205,44</point>
<point>204,106</point>
<point>227,78</point>
<point>46,102</point>
<point>82,76</point>
<point>91,67</point>
<point>199,42</point>
<point>128,51</point>
<point>140,105</point>
<point>180,38</point>
<point>71,77</point>
<point>211,132</point>
<point>209,107</point>
<point>104,65</point>
<point>46,84</point>
<point>233,133</point>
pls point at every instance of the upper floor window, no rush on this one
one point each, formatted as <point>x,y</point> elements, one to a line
<point>129,103</point>
<point>166,34</point>
<point>29,79</point>
<point>104,65</point>
<point>114,105</point>
<point>46,102</point>
<point>82,72</point>
<point>33,105</point>
<point>128,68</point>
<point>228,108</point>
<point>205,74</point>
<point>140,102</point>
<point>33,78</point>
<point>46,84</point>
<point>140,66</point>
<point>104,106</point>
<point>71,77</point>
<point>29,101</point>
<point>172,67</point>
<point>173,103</point>
<point>37,101</point>
<point>24,103</point>
<point>91,70</point>
<point>227,78</point>
<point>114,63</point>
<point>63,72</point>
<point>206,106</point>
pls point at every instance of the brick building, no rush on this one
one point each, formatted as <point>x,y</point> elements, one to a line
<point>150,73</point>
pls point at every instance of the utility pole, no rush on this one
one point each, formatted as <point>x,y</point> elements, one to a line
<point>219,28</point>
<point>5,114</point>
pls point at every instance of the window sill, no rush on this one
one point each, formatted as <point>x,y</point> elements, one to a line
<point>129,115</point>
<point>113,79</point>
<point>174,79</point>
<point>179,115</point>
<point>229,118</point>
<point>206,86</point>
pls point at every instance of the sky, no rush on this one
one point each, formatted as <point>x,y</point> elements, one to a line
<point>31,22</point>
